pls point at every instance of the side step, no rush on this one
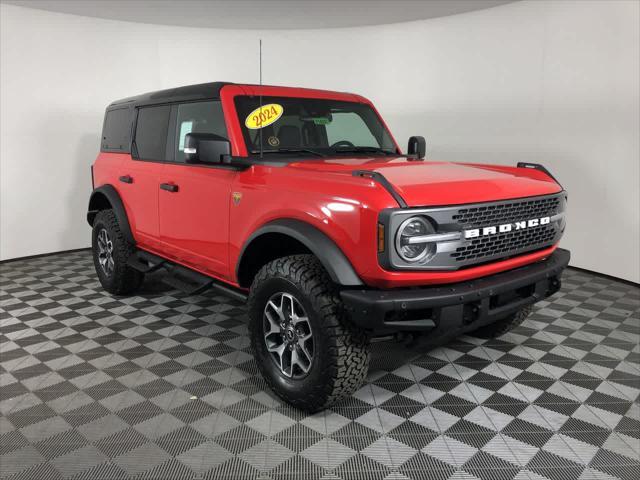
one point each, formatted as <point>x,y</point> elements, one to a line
<point>145,262</point>
<point>181,278</point>
<point>187,280</point>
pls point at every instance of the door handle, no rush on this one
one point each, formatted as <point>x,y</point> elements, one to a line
<point>126,179</point>
<point>169,187</point>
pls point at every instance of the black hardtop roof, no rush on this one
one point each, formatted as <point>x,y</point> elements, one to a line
<point>189,92</point>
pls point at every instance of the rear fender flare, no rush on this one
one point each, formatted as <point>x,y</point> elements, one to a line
<point>96,203</point>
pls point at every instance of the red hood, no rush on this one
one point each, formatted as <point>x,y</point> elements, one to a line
<point>429,183</point>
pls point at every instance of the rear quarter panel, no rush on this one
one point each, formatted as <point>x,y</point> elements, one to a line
<point>106,168</point>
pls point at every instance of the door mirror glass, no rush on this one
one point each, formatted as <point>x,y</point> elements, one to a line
<point>206,148</point>
<point>417,147</point>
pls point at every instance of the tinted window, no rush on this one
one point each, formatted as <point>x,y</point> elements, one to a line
<point>117,130</point>
<point>350,126</point>
<point>198,117</point>
<point>151,132</point>
<point>286,125</point>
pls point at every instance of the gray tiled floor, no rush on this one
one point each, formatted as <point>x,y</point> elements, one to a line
<point>161,385</point>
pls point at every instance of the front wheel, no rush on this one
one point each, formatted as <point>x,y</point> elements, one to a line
<point>307,351</point>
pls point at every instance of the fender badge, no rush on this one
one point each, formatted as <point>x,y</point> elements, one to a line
<point>236,196</point>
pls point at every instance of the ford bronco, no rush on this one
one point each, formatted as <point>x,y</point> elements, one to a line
<point>301,202</point>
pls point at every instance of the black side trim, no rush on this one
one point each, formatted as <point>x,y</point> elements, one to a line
<point>537,166</point>
<point>329,254</point>
<point>115,201</point>
<point>382,180</point>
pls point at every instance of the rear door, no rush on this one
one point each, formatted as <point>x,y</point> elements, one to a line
<point>194,199</point>
<point>139,178</point>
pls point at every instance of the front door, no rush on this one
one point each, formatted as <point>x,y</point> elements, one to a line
<point>194,200</point>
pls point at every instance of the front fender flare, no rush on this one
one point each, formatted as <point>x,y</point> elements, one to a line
<point>113,197</point>
<point>334,261</point>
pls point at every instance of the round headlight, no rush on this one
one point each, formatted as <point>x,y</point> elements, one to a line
<point>414,227</point>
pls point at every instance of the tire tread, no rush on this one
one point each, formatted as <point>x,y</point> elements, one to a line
<point>125,280</point>
<point>348,361</point>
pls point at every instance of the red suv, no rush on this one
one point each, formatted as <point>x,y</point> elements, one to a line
<point>302,202</point>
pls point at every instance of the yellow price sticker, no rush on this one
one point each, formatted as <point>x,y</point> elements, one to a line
<point>263,116</point>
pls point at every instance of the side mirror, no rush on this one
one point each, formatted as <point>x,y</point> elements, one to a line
<point>206,148</point>
<point>417,147</point>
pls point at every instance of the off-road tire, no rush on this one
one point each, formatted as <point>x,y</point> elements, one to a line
<point>341,351</point>
<point>124,279</point>
<point>504,325</point>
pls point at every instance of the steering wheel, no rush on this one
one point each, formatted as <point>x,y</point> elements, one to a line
<point>342,143</point>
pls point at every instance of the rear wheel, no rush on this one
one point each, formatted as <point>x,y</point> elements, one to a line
<point>504,325</point>
<point>306,350</point>
<point>110,254</point>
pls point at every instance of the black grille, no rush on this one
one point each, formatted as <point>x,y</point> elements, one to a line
<point>505,243</point>
<point>497,214</point>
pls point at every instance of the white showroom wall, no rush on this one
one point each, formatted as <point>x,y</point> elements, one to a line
<point>539,81</point>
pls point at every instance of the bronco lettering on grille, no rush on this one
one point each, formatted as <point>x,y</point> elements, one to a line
<point>507,227</point>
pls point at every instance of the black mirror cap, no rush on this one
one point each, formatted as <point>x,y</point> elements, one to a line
<point>206,148</point>
<point>417,147</point>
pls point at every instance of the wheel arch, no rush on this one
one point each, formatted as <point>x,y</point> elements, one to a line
<point>103,198</point>
<point>287,237</point>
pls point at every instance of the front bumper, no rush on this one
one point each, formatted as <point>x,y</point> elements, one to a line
<point>458,307</point>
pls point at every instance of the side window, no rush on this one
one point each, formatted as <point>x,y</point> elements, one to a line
<point>198,117</point>
<point>350,126</point>
<point>116,133</point>
<point>151,132</point>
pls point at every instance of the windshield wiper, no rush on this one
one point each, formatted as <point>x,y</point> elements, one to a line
<point>291,150</point>
<point>364,150</point>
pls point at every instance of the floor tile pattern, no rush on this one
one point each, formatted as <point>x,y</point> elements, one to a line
<point>164,385</point>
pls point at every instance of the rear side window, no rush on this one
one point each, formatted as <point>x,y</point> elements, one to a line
<point>151,132</point>
<point>198,117</point>
<point>116,132</point>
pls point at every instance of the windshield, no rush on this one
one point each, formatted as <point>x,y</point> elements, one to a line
<point>312,126</point>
